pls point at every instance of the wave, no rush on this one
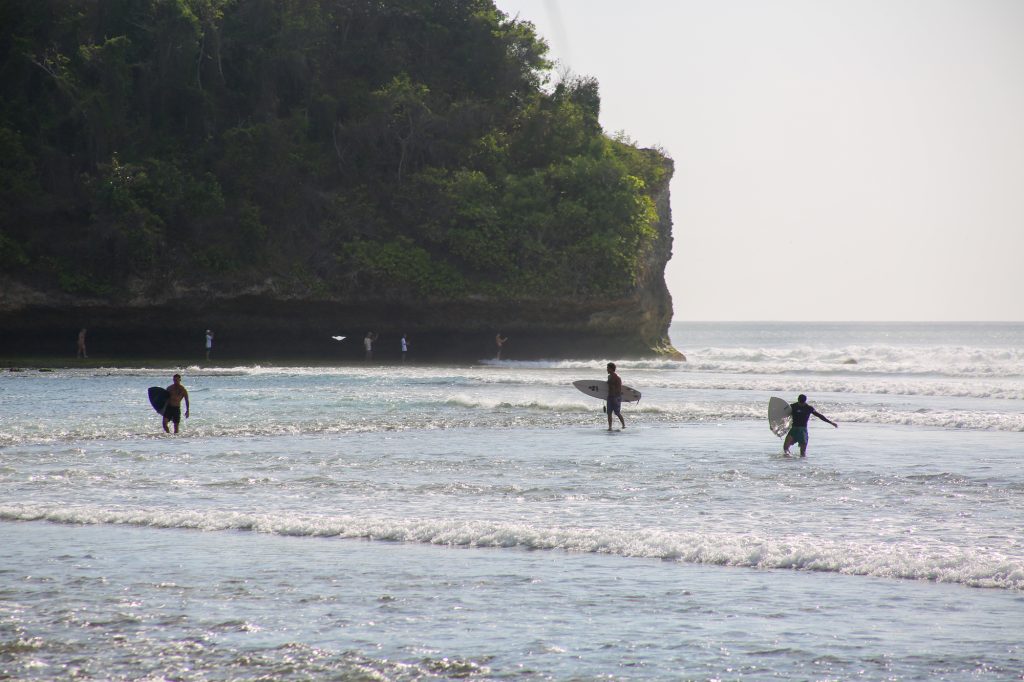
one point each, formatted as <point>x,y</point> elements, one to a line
<point>590,365</point>
<point>937,561</point>
<point>952,361</point>
<point>468,413</point>
<point>950,388</point>
<point>896,371</point>
<point>575,406</point>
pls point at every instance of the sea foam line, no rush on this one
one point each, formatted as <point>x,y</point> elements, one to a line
<point>939,562</point>
<point>466,412</point>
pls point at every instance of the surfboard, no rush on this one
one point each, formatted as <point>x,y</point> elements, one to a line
<point>779,416</point>
<point>158,398</point>
<point>339,338</point>
<point>599,389</point>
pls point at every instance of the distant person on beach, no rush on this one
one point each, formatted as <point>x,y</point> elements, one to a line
<point>81,344</point>
<point>499,340</point>
<point>802,412</point>
<point>209,343</point>
<point>172,411</point>
<point>614,396</point>
<point>368,344</point>
<point>405,347</point>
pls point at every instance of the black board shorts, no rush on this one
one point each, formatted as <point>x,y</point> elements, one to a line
<point>173,414</point>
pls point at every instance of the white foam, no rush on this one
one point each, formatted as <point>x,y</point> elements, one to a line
<point>936,561</point>
<point>951,361</point>
<point>463,411</point>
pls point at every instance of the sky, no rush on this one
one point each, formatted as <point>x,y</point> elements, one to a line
<point>834,159</point>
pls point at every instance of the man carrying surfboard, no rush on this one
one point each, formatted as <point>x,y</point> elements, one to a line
<point>614,396</point>
<point>172,412</point>
<point>801,413</point>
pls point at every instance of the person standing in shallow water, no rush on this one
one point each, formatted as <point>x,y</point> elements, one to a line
<point>802,412</point>
<point>172,411</point>
<point>81,344</point>
<point>368,344</point>
<point>614,396</point>
<point>499,340</point>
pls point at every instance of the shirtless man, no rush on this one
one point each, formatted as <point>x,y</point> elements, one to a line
<point>798,433</point>
<point>614,396</point>
<point>172,411</point>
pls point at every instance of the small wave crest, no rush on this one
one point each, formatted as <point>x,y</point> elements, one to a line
<point>474,412</point>
<point>951,361</point>
<point>589,365</point>
<point>938,562</point>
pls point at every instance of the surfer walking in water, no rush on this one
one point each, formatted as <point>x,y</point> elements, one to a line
<point>801,412</point>
<point>172,411</point>
<point>614,396</point>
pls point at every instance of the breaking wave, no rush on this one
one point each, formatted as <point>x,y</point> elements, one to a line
<point>938,561</point>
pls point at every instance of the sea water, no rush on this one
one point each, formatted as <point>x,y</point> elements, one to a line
<point>418,522</point>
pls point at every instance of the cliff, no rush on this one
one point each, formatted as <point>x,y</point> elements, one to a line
<point>167,318</point>
<point>281,173</point>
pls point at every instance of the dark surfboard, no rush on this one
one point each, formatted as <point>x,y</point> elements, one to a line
<point>158,398</point>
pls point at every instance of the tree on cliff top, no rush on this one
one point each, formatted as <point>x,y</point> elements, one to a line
<point>344,147</point>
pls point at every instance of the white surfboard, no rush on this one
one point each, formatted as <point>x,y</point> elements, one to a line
<point>339,338</point>
<point>780,416</point>
<point>599,389</point>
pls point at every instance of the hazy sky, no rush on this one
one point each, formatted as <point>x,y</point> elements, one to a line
<point>835,159</point>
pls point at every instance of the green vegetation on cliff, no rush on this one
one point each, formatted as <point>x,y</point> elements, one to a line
<point>407,148</point>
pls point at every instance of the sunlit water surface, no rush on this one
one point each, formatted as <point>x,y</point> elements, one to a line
<point>408,522</point>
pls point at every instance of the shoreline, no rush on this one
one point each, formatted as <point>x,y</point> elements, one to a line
<point>40,363</point>
<point>49,363</point>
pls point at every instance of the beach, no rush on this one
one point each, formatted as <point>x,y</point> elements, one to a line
<point>414,521</point>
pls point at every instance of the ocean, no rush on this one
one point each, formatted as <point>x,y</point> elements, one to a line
<point>434,522</point>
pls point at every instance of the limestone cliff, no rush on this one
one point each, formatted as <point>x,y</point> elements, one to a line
<point>167,317</point>
<point>285,172</point>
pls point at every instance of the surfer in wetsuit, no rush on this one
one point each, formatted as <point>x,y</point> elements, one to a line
<point>172,411</point>
<point>801,412</point>
<point>614,396</point>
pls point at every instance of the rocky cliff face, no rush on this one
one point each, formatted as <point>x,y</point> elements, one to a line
<point>167,319</point>
<point>281,190</point>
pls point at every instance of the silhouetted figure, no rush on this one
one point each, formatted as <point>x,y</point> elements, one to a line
<point>802,412</point>
<point>614,396</point>
<point>499,340</point>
